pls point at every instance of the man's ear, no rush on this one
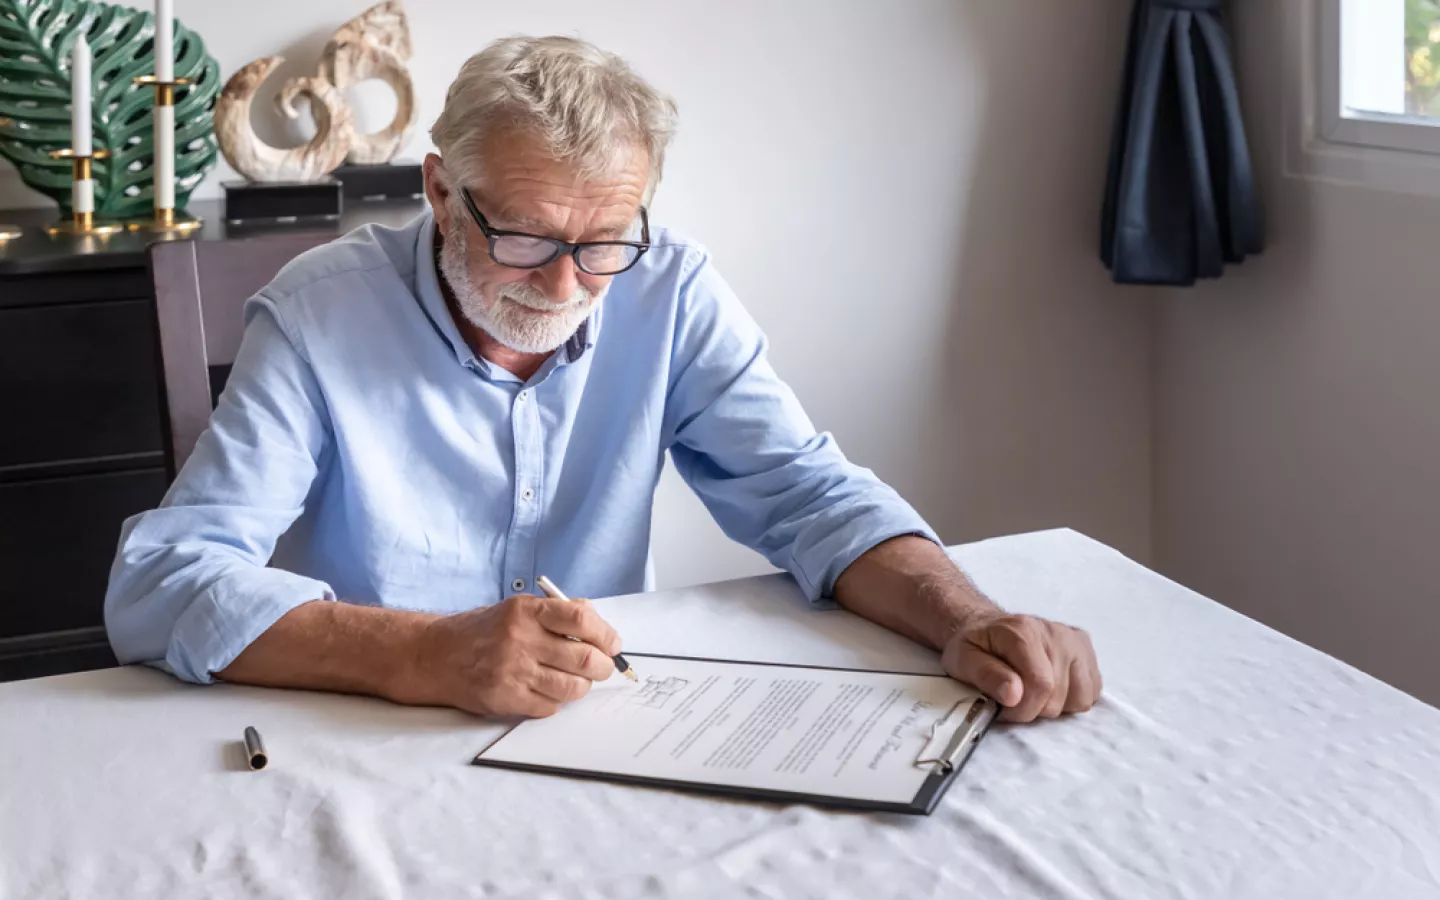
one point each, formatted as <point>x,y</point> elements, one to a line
<point>437,190</point>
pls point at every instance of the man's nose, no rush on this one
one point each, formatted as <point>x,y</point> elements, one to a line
<point>558,280</point>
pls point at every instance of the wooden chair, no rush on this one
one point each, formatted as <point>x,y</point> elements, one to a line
<point>200,290</point>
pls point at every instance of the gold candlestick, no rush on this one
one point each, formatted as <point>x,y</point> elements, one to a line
<point>166,219</point>
<point>82,220</point>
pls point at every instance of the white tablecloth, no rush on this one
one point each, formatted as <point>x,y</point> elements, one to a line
<point>1225,761</point>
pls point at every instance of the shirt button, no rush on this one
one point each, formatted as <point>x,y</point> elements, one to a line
<point>521,397</point>
<point>527,494</point>
<point>518,584</point>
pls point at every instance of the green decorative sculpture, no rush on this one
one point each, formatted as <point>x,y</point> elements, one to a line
<point>35,41</point>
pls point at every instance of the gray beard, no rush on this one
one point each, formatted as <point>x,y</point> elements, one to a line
<point>513,319</point>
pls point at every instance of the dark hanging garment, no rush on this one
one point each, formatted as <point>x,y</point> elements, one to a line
<point>1180,195</point>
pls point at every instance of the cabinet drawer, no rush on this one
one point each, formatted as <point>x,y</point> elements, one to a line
<point>86,654</point>
<point>49,288</point>
<point>78,381</point>
<point>57,540</point>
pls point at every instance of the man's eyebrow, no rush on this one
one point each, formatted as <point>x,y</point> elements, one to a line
<point>615,231</point>
<point>508,220</point>
<point>519,222</point>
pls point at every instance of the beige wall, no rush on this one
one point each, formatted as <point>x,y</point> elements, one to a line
<point>1297,410</point>
<point>904,194</point>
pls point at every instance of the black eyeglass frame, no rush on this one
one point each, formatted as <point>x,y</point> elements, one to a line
<point>560,247</point>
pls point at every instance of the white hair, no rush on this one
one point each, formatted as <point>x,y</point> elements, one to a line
<point>586,105</point>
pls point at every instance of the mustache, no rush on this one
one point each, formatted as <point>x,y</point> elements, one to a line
<point>529,296</point>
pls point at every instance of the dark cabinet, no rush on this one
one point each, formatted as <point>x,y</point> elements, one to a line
<point>79,383</point>
<point>80,450</point>
<point>57,537</point>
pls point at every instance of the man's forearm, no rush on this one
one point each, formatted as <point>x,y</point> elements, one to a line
<point>909,585</point>
<point>340,647</point>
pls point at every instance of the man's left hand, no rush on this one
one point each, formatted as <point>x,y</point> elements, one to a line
<point>1033,667</point>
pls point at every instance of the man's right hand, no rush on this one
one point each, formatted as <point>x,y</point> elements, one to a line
<point>513,659</point>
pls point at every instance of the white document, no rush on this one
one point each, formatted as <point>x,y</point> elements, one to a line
<point>861,736</point>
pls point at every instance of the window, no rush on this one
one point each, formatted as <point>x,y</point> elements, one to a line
<point>1422,58</point>
<point>1381,71</point>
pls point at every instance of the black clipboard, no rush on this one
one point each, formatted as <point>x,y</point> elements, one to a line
<point>972,722</point>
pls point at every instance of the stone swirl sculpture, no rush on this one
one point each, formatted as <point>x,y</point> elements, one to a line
<point>257,160</point>
<point>374,44</point>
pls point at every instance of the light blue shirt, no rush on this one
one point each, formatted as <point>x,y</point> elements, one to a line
<point>419,476</point>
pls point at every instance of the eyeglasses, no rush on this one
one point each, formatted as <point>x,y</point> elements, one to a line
<point>517,250</point>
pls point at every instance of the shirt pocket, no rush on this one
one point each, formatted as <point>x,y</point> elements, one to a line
<point>442,557</point>
<point>423,559</point>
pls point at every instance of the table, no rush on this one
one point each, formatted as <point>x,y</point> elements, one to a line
<point>1225,760</point>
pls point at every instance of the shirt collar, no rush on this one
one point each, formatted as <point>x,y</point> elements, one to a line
<point>432,301</point>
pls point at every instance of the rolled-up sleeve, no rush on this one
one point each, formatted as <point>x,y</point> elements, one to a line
<point>741,440</point>
<point>189,589</point>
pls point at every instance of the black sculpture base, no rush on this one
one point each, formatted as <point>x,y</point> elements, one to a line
<point>253,203</point>
<point>387,181</point>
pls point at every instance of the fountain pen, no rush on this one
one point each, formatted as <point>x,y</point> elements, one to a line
<point>548,586</point>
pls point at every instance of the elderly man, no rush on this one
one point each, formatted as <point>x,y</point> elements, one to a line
<point>486,395</point>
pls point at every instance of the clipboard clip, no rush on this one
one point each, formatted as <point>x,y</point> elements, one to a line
<point>968,730</point>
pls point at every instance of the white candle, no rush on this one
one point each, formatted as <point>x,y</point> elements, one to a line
<point>80,138</point>
<point>164,157</point>
<point>82,195</point>
<point>164,40</point>
<point>164,115</point>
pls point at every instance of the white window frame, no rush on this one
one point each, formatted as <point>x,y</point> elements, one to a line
<point>1389,131</point>
<point>1386,151</point>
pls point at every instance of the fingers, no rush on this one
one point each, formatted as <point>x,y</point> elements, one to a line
<point>513,694</point>
<point>1085,681</point>
<point>577,658</point>
<point>502,661</point>
<point>561,687</point>
<point>1082,693</point>
<point>536,693</point>
<point>577,619</point>
<point>1020,642</point>
<point>530,704</point>
<point>541,707</point>
<point>1035,668</point>
<point>1092,662</point>
<point>972,665</point>
<point>1054,705</point>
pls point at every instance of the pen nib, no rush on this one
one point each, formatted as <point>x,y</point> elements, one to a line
<point>630,674</point>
